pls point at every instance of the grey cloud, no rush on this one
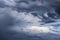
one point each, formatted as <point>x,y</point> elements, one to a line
<point>9,19</point>
<point>30,14</point>
<point>28,3</point>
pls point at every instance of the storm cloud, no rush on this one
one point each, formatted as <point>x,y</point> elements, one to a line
<point>29,20</point>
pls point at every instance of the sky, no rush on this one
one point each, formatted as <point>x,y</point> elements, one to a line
<point>29,20</point>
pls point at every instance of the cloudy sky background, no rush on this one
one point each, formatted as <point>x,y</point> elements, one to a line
<point>29,20</point>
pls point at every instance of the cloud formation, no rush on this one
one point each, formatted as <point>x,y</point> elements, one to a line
<point>20,18</point>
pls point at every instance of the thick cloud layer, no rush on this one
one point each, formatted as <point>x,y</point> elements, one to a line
<point>29,20</point>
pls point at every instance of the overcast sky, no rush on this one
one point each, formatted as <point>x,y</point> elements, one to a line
<point>29,20</point>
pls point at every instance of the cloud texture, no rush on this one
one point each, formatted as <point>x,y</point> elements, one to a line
<point>29,20</point>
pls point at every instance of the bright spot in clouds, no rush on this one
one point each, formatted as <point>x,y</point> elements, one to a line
<point>40,29</point>
<point>32,29</point>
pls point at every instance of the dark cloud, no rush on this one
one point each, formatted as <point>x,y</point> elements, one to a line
<point>17,17</point>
